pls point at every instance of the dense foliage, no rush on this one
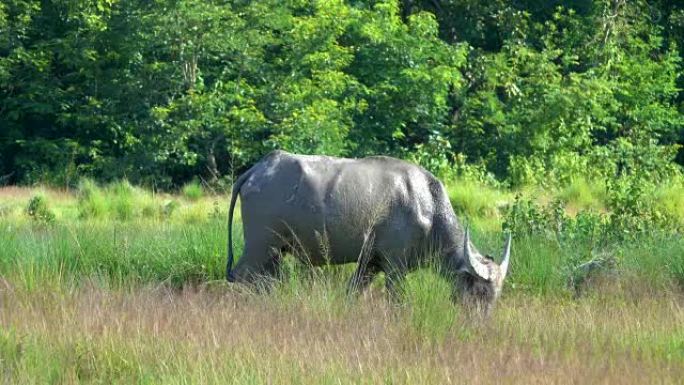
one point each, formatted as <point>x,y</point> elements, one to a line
<point>164,91</point>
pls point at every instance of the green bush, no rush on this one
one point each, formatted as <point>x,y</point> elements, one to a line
<point>433,155</point>
<point>122,197</point>
<point>92,202</point>
<point>633,209</point>
<point>39,210</point>
<point>193,191</point>
<point>631,214</point>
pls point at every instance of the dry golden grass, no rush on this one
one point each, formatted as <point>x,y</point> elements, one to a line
<point>219,335</point>
<point>8,192</point>
<point>17,193</point>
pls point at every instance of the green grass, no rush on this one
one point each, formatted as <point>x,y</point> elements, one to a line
<point>122,200</point>
<point>118,251</point>
<point>583,195</point>
<point>193,191</point>
<point>133,291</point>
<point>92,202</point>
<point>123,233</point>
<point>178,253</point>
<point>119,201</point>
<point>477,203</point>
<point>669,197</point>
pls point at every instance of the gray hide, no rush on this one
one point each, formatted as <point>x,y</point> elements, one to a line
<point>386,214</point>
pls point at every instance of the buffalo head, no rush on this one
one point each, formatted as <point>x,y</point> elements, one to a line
<point>481,279</point>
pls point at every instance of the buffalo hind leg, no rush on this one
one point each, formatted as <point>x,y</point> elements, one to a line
<point>258,261</point>
<point>362,277</point>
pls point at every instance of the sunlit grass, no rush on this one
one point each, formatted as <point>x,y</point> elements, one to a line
<point>474,200</point>
<point>582,195</point>
<point>136,294</point>
<point>216,334</point>
<point>193,191</point>
<point>669,197</point>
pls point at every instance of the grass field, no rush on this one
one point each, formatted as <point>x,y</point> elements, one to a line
<point>126,286</point>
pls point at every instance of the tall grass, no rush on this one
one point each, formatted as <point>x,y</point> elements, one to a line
<point>92,202</point>
<point>670,198</point>
<point>472,199</point>
<point>122,232</point>
<point>154,251</point>
<point>119,201</point>
<point>583,195</point>
<point>117,251</point>
<point>476,203</point>
<point>122,199</point>
<point>214,334</point>
<point>120,296</point>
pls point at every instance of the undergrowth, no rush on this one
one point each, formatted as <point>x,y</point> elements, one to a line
<point>123,233</point>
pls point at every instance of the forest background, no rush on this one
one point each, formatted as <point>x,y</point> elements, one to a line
<point>509,93</point>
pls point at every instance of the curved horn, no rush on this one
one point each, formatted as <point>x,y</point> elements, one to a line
<point>503,268</point>
<point>475,263</point>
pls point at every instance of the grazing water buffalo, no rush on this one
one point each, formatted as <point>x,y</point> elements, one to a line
<point>384,213</point>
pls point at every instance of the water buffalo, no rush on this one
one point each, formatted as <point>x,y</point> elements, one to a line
<point>384,213</point>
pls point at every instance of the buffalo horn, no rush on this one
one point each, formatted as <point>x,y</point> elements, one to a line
<point>503,268</point>
<point>476,264</point>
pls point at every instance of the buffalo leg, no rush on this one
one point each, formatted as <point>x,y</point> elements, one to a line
<point>258,260</point>
<point>362,277</point>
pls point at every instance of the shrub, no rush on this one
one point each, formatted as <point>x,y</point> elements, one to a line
<point>526,217</point>
<point>631,213</point>
<point>433,155</point>
<point>633,209</point>
<point>193,190</point>
<point>582,275</point>
<point>92,202</point>
<point>122,198</point>
<point>38,209</point>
